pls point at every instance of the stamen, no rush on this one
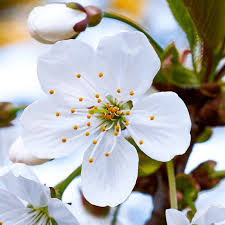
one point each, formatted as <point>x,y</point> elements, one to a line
<point>117,127</point>
<point>131,93</point>
<point>107,154</point>
<point>64,140</point>
<point>87,133</point>
<point>80,99</point>
<point>57,114</point>
<point>75,127</point>
<point>92,111</point>
<point>116,133</point>
<point>100,74</point>
<point>89,116</point>
<point>94,142</point>
<point>97,96</point>
<point>116,108</point>
<point>73,110</point>
<point>95,107</point>
<point>152,117</point>
<point>88,124</point>
<point>108,105</point>
<point>118,112</point>
<point>78,75</point>
<point>128,113</point>
<point>91,160</point>
<point>118,90</point>
<point>126,123</point>
<point>51,92</point>
<point>103,128</point>
<point>141,142</point>
<point>99,100</point>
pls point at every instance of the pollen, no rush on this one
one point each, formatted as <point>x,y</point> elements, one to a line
<point>64,140</point>
<point>128,113</point>
<point>89,116</point>
<point>107,154</point>
<point>57,114</point>
<point>141,142</point>
<point>152,117</point>
<point>118,90</point>
<point>114,109</point>
<point>118,112</point>
<point>80,99</point>
<point>94,142</point>
<point>126,123</point>
<point>103,128</point>
<point>116,133</point>
<point>87,133</point>
<point>91,160</point>
<point>51,92</point>
<point>88,124</point>
<point>75,127</point>
<point>117,127</point>
<point>108,105</point>
<point>100,74</point>
<point>97,96</point>
<point>78,75</point>
<point>95,107</point>
<point>131,93</point>
<point>72,110</point>
<point>99,100</point>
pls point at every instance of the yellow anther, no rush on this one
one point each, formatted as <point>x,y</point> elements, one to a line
<point>107,154</point>
<point>78,75</point>
<point>51,92</point>
<point>100,74</point>
<point>141,142</point>
<point>97,96</point>
<point>94,142</point>
<point>95,107</point>
<point>152,117</point>
<point>89,116</point>
<point>72,110</point>
<point>131,93</point>
<point>118,112</point>
<point>87,133</point>
<point>91,160</point>
<point>80,99</point>
<point>75,127</point>
<point>99,100</point>
<point>126,123</point>
<point>118,90</point>
<point>116,133</point>
<point>116,108</point>
<point>112,115</point>
<point>57,114</point>
<point>63,140</point>
<point>128,113</point>
<point>108,105</point>
<point>88,124</point>
<point>117,127</point>
<point>103,128</point>
<point>91,111</point>
<point>110,109</point>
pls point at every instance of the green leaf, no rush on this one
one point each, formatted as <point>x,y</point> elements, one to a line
<point>209,18</point>
<point>205,135</point>
<point>185,21</point>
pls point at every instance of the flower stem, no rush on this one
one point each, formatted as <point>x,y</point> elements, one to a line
<point>61,187</point>
<point>115,215</point>
<point>218,174</point>
<point>121,18</point>
<point>172,184</point>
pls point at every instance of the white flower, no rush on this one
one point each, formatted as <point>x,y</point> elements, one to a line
<point>19,154</point>
<point>26,201</point>
<point>81,81</point>
<point>54,22</point>
<point>206,216</point>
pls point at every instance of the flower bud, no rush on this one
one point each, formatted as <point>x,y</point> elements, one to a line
<point>57,21</point>
<point>94,15</point>
<point>19,154</point>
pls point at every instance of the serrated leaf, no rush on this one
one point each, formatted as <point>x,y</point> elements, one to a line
<point>205,135</point>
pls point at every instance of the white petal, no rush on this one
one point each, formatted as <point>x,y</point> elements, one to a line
<point>175,217</point>
<point>209,215</point>
<point>19,154</point>
<point>168,134</point>
<point>61,213</point>
<point>43,130</point>
<point>128,62</point>
<point>30,191</point>
<point>108,181</point>
<point>53,22</point>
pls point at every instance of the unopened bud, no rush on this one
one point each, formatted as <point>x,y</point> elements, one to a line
<point>94,15</point>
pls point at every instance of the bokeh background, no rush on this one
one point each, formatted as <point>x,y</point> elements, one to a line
<point>19,84</point>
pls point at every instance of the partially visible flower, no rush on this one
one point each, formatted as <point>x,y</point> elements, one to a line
<point>26,201</point>
<point>93,97</point>
<point>59,21</point>
<point>206,216</point>
<point>19,154</point>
